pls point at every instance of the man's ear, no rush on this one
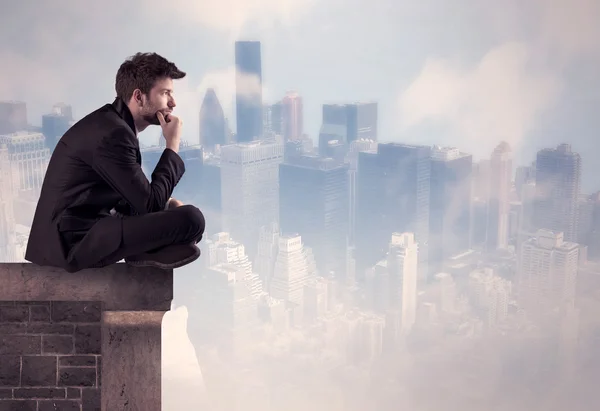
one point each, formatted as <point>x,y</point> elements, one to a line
<point>137,97</point>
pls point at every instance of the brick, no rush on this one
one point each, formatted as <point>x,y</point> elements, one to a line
<point>77,361</point>
<point>20,344</point>
<point>77,377</point>
<point>73,393</point>
<point>10,370</point>
<point>38,371</point>
<point>57,344</point>
<point>87,339</point>
<point>13,328</point>
<point>28,303</point>
<point>31,393</point>
<point>76,311</point>
<point>14,314</point>
<point>6,393</point>
<point>59,329</point>
<point>18,405</point>
<point>39,313</point>
<point>90,399</point>
<point>59,405</point>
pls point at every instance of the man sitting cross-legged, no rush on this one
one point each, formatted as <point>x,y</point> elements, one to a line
<point>96,206</point>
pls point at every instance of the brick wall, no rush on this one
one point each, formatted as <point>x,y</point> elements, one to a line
<point>50,356</point>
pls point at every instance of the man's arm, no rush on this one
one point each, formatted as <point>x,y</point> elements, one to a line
<point>115,160</point>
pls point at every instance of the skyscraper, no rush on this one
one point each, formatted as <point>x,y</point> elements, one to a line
<point>56,124</point>
<point>558,185</point>
<point>347,123</point>
<point>499,204</point>
<point>402,270</point>
<point>547,272</point>
<point>450,204</point>
<point>356,147</point>
<point>7,212</point>
<point>292,271</point>
<point>250,189</point>
<point>248,84</point>
<point>292,116</point>
<point>212,122</point>
<point>313,202</point>
<point>29,158</point>
<point>362,121</point>
<point>392,195</point>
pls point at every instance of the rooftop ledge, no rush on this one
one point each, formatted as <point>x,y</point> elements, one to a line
<point>82,341</point>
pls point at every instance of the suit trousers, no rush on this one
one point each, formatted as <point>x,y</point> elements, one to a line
<point>139,234</point>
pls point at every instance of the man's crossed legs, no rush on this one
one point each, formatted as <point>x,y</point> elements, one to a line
<point>165,239</point>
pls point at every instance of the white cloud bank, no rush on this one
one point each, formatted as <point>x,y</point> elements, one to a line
<point>502,96</point>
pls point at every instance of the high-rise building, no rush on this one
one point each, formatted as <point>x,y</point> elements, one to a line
<point>589,224</point>
<point>8,251</point>
<point>209,195</point>
<point>450,205</point>
<point>357,146</point>
<point>313,202</point>
<point>524,175</point>
<point>229,290</point>
<point>392,195</point>
<point>250,189</point>
<point>558,186</point>
<point>213,128</point>
<point>292,116</point>
<point>29,159</point>
<point>547,272</point>
<point>268,248</point>
<point>347,123</point>
<point>294,268</point>
<point>56,124</point>
<point>499,197</point>
<point>402,271</point>
<point>273,118</point>
<point>248,83</point>
<point>13,117</point>
<point>362,121</point>
<point>490,295</point>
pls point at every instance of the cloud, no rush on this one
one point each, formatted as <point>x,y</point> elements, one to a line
<point>569,29</point>
<point>505,93</point>
<point>499,98</point>
<point>183,385</point>
<point>234,15</point>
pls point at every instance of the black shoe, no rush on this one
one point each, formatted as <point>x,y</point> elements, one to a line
<point>166,258</point>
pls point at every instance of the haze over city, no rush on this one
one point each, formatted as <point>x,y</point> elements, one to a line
<point>402,199</point>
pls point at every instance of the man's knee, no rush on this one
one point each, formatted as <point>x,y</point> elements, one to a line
<point>194,218</point>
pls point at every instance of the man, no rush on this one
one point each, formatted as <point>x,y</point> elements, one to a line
<point>96,206</point>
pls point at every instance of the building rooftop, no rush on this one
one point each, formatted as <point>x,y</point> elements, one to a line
<point>439,153</point>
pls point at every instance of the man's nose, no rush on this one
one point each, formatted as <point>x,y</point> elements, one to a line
<point>172,103</point>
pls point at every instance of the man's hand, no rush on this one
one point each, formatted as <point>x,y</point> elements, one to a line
<point>171,130</point>
<point>173,203</point>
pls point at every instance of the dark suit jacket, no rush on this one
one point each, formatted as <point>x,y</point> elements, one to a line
<point>96,166</point>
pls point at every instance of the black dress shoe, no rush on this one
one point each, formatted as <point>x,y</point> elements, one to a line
<point>167,258</point>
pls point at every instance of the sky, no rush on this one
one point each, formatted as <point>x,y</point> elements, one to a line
<point>466,73</point>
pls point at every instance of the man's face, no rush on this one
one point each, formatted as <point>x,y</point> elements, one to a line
<point>160,98</point>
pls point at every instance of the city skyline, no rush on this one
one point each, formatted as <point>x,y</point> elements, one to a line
<point>555,90</point>
<point>395,216</point>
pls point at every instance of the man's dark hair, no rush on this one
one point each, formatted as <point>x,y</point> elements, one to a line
<point>142,70</point>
